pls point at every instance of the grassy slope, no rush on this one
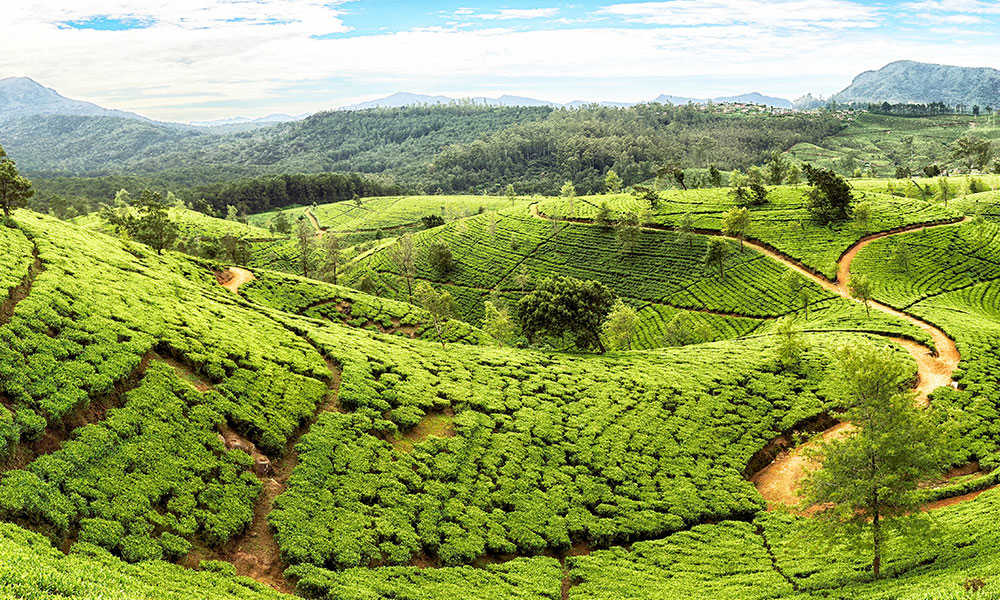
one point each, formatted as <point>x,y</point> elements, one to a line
<point>673,430</point>
<point>662,277</point>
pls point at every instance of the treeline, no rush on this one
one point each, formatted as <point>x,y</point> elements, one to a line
<point>905,109</point>
<point>277,191</point>
<point>582,145</point>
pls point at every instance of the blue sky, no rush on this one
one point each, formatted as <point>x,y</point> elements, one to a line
<point>204,59</point>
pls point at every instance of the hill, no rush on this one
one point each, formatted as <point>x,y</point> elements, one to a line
<point>908,81</point>
<point>24,97</point>
<point>138,396</point>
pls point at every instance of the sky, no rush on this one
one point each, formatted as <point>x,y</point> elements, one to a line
<point>185,60</point>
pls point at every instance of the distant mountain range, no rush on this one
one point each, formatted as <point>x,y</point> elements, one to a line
<point>907,81</point>
<point>400,99</point>
<point>24,97</point>
<point>268,120</point>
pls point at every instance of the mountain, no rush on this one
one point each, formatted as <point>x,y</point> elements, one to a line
<point>751,98</point>
<point>268,120</point>
<point>25,97</point>
<point>401,99</point>
<point>907,81</point>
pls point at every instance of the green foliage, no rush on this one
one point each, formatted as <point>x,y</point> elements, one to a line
<point>829,195</point>
<point>869,478</point>
<point>621,326</point>
<point>15,189</point>
<point>564,306</point>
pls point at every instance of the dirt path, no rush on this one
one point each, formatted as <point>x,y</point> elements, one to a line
<point>234,277</point>
<point>315,222</point>
<point>778,482</point>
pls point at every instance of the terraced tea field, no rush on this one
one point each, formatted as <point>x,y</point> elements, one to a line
<point>181,439</point>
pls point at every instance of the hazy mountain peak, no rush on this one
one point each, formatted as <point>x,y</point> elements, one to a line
<point>23,97</point>
<point>908,81</point>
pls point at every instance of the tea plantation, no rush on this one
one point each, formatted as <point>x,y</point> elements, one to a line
<point>164,437</point>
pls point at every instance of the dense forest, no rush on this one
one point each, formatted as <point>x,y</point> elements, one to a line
<point>582,145</point>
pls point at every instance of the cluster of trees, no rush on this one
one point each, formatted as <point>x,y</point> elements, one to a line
<point>15,189</point>
<point>582,145</point>
<point>262,194</point>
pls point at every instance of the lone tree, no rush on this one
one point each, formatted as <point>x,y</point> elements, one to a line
<point>612,182</point>
<point>790,345</point>
<point>829,195</point>
<point>944,189</point>
<point>15,189</point>
<point>870,478</point>
<point>735,223</point>
<point>561,306</point>
<point>403,253</point>
<point>603,218</point>
<point>973,151</point>
<point>333,255</point>
<point>901,257</point>
<point>150,223</point>
<point>281,224</point>
<point>686,229</point>
<point>628,230</point>
<point>305,238</point>
<point>440,258</point>
<point>777,168</point>
<point>798,291</point>
<point>497,322</point>
<point>715,255</point>
<point>621,326</point>
<point>861,289</point>
<point>648,195</point>
<point>568,190</point>
<point>862,215</point>
<point>440,305</point>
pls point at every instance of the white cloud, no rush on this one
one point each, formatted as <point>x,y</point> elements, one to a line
<point>196,62</point>
<point>520,13</point>
<point>976,7</point>
<point>823,14</point>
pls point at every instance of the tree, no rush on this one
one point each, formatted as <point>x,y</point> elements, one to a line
<point>715,255</point>
<point>944,189</point>
<point>674,172</point>
<point>870,478</point>
<point>686,228</point>
<point>974,151</point>
<point>332,255</point>
<point>735,223</point>
<point>440,258</point>
<point>797,290</point>
<point>15,189</point>
<point>562,306</point>
<point>861,290</point>
<point>603,218</point>
<point>305,237</point>
<point>862,215</point>
<point>568,190</point>
<point>777,168</point>
<point>648,195</point>
<point>714,176</point>
<point>231,213</point>
<point>431,221</point>
<point>794,175</point>
<point>829,195</point>
<point>509,192</point>
<point>790,345</point>
<point>612,182</point>
<point>681,330</point>
<point>122,198</point>
<point>621,326</point>
<point>403,253</point>
<point>497,323</point>
<point>236,249</point>
<point>628,230</point>
<point>281,224</point>
<point>440,305</point>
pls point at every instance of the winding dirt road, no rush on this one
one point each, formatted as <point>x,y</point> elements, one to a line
<point>779,481</point>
